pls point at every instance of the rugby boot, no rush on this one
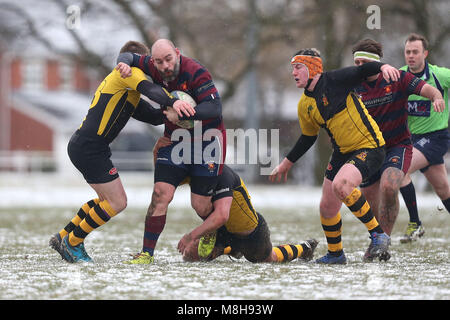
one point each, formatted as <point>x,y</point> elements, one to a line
<point>308,253</point>
<point>330,259</point>
<point>378,247</point>
<point>141,258</point>
<point>206,245</point>
<point>55,243</point>
<point>413,232</point>
<point>74,254</point>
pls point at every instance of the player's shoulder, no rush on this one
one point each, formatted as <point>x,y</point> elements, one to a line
<point>405,75</point>
<point>192,65</point>
<point>136,74</point>
<point>134,71</point>
<point>306,99</point>
<point>230,177</point>
<point>137,71</point>
<point>439,71</point>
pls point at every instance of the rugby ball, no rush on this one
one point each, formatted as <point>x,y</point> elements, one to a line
<point>186,124</point>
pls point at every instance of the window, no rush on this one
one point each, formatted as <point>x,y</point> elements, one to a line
<point>67,74</point>
<point>33,74</point>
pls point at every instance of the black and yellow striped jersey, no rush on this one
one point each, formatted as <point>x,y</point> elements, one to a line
<point>243,216</point>
<point>334,106</point>
<point>116,100</point>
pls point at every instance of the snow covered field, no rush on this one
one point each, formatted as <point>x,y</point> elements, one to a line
<point>33,208</point>
<point>48,190</point>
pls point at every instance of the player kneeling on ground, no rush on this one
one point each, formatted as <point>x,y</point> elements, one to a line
<point>234,227</point>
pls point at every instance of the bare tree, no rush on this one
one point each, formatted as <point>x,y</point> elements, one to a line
<point>216,33</point>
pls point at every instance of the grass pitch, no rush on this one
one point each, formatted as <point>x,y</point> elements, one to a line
<point>30,270</point>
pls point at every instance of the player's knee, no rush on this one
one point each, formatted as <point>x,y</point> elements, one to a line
<point>325,207</point>
<point>161,196</point>
<point>341,188</point>
<point>442,189</point>
<point>118,202</point>
<point>122,204</point>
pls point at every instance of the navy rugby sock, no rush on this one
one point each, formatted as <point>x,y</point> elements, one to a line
<point>409,196</point>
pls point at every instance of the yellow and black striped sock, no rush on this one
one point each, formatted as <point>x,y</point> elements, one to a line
<point>358,205</point>
<point>288,252</point>
<point>81,214</point>
<point>332,228</point>
<point>97,216</point>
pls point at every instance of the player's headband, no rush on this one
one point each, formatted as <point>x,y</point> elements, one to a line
<point>313,64</point>
<point>366,55</point>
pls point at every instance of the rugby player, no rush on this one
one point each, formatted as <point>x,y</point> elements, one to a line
<point>234,227</point>
<point>429,130</point>
<point>174,71</point>
<point>329,102</point>
<point>387,104</point>
<point>115,101</point>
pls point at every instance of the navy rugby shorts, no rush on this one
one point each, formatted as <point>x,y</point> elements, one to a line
<point>433,145</point>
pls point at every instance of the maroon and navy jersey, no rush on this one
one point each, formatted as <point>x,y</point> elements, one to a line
<point>387,103</point>
<point>193,79</point>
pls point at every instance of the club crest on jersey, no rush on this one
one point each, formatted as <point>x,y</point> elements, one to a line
<point>362,156</point>
<point>183,86</point>
<point>211,166</point>
<point>113,171</point>
<point>395,159</point>
<point>388,89</point>
<point>325,100</point>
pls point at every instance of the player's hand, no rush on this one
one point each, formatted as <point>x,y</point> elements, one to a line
<point>390,73</point>
<point>184,243</point>
<point>162,142</point>
<point>124,69</point>
<point>183,108</point>
<point>171,115</point>
<point>439,105</point>
<point>281,171</point>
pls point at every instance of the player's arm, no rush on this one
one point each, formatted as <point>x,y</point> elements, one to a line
<point>434,95</point>
<point>146,113</point>
<point>303,144</point>
<point>352,76</point>
<point>206,110</point>
<point>156,93</point>
<point>138,81</point>
<point>205,93</point>
<point>126,60</point>
<point>214,221</point>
